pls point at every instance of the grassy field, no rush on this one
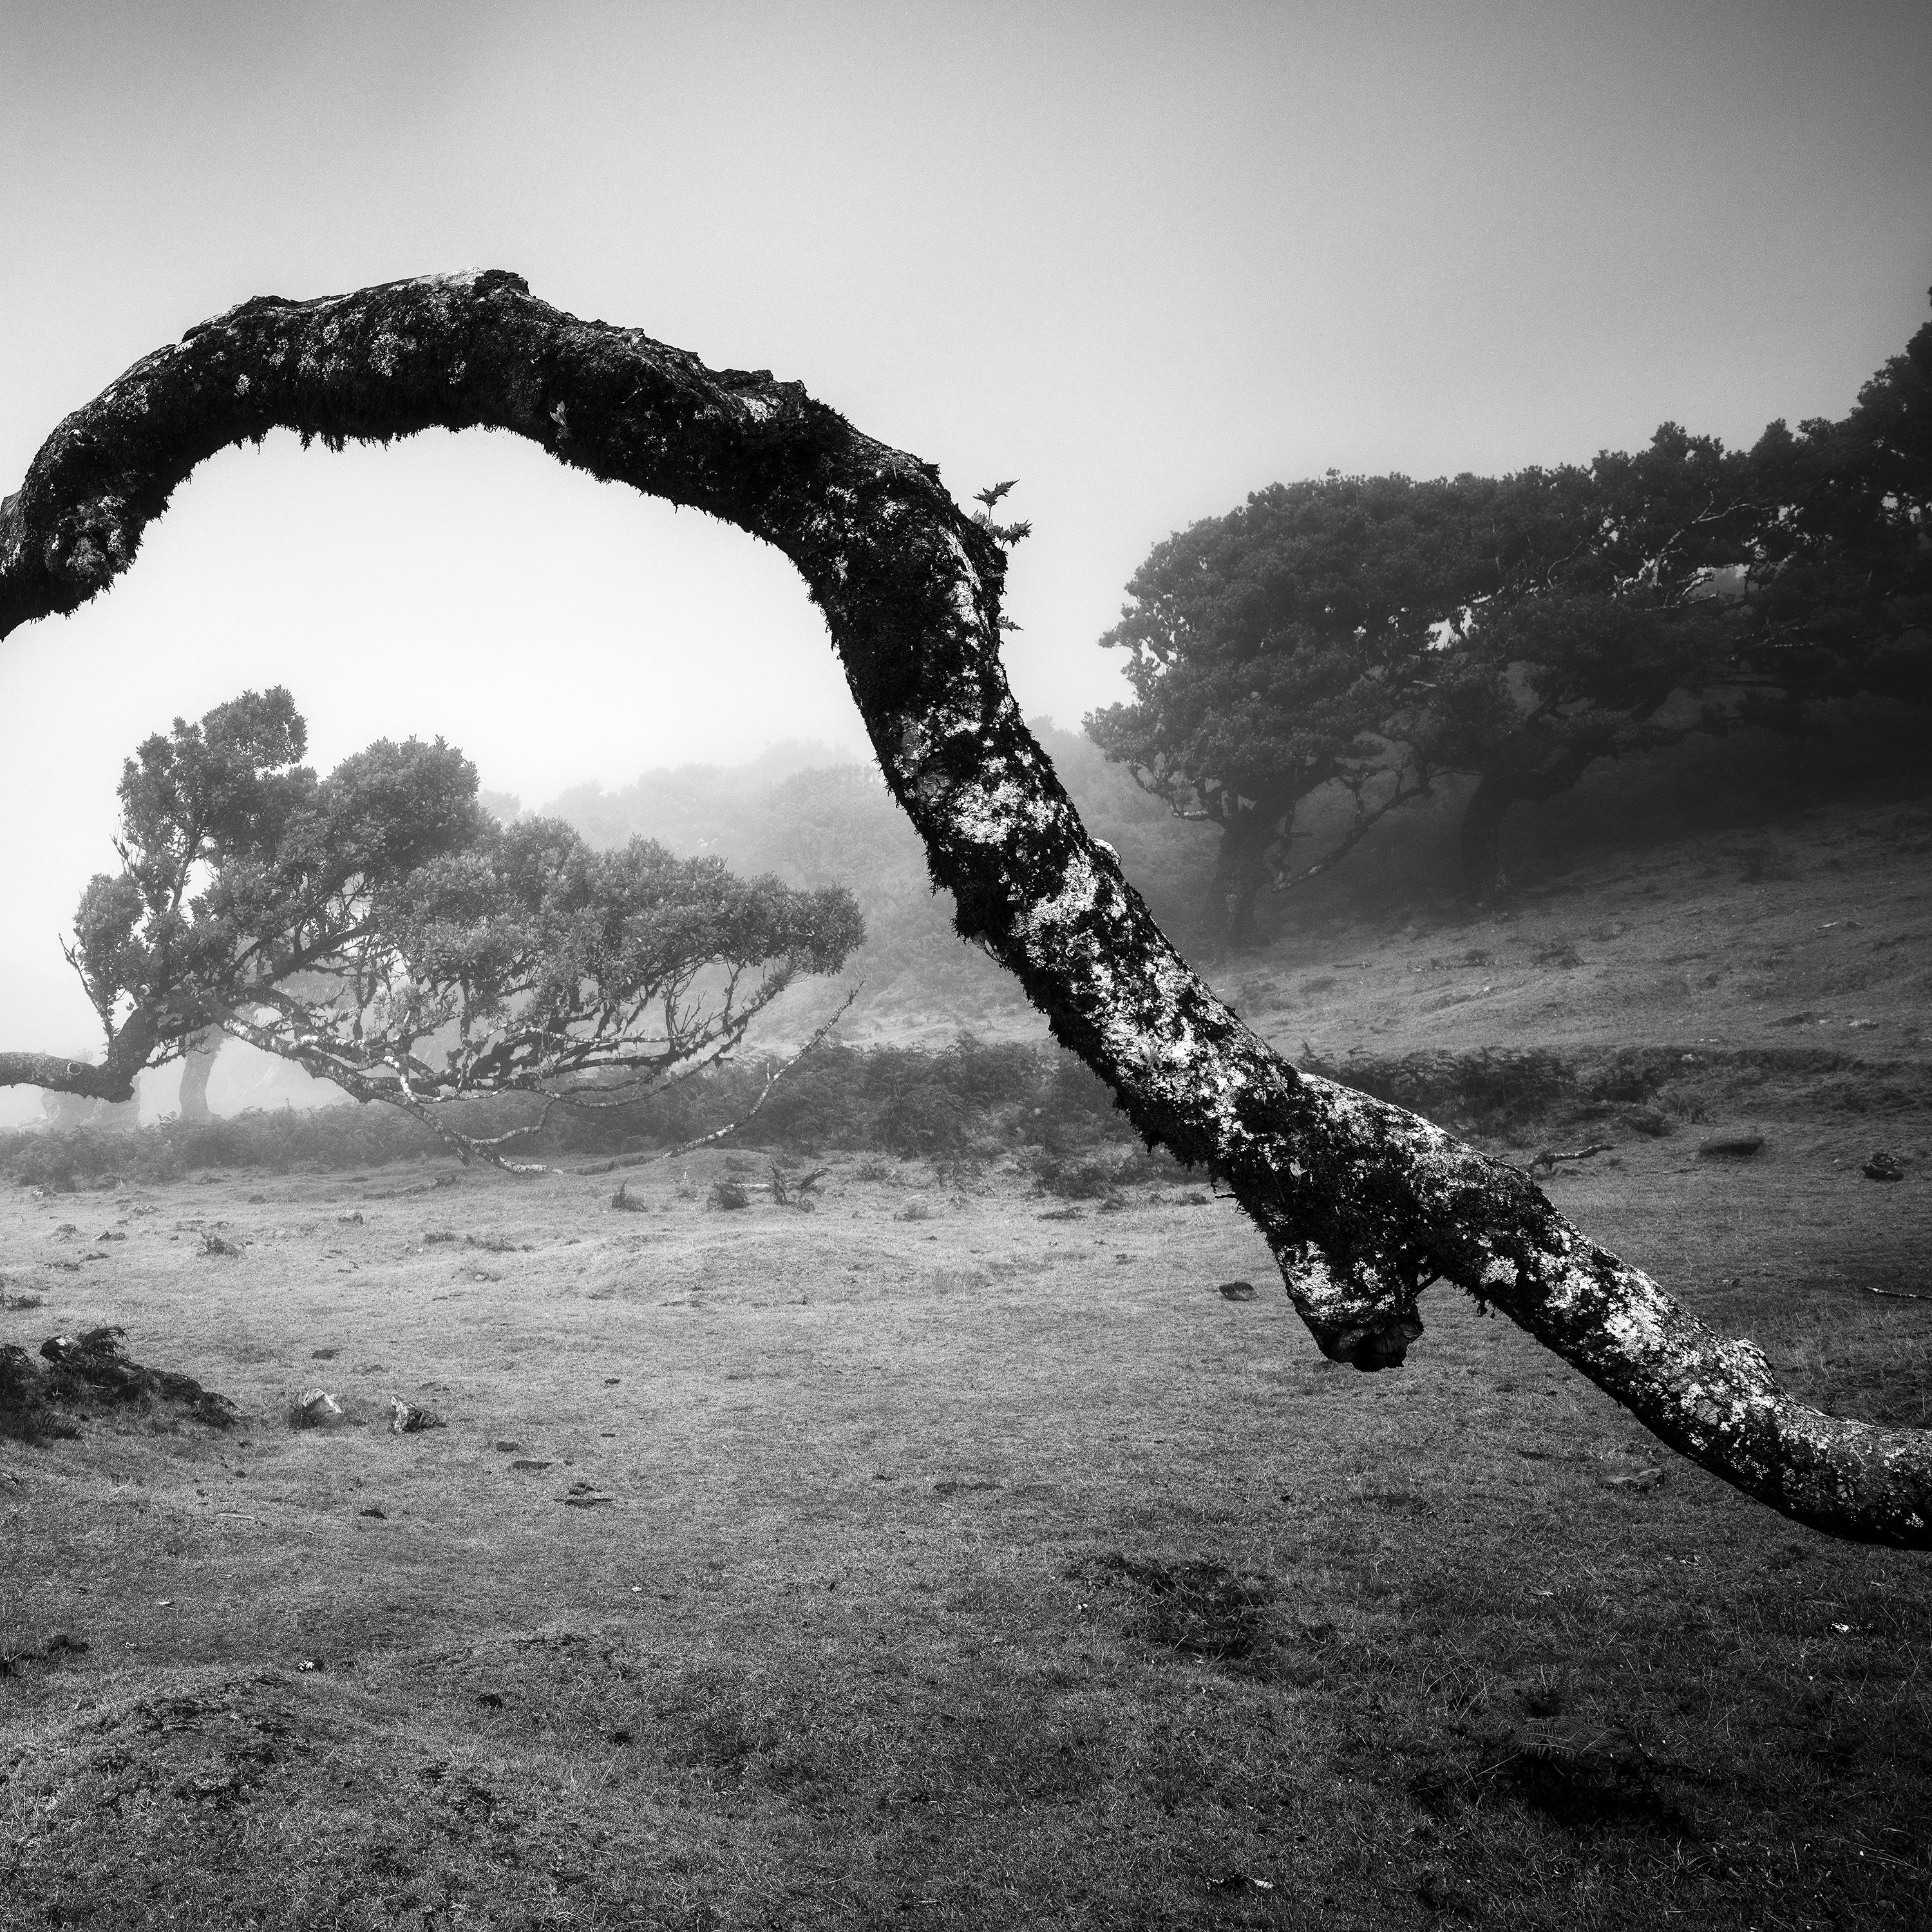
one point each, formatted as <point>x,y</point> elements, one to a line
<point>943,1557</point>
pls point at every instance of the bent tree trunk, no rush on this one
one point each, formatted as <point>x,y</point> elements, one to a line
<point>1365,1205</point>
<point>1496,790</point>
<point>1240,870</point>
<point>197,1063</point>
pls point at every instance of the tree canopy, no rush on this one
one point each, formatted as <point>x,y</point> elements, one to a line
<point>381,930</point>
<point>1376,634</point>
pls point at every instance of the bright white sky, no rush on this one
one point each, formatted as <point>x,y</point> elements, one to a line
<point>1144,258</point>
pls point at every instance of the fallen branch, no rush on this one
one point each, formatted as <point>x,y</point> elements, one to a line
<point>1545,1161</point>
<point>1362,1203</point>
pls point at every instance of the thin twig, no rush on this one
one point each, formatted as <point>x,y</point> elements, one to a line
<point>745,1119</point>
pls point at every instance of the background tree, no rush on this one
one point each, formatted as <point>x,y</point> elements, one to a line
<point>380,930</point>
<point>1271,650</point>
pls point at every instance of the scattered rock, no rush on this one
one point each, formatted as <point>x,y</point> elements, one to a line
<point>726,1193</point>
<point>532,1463</point>
<point>65,1641</point>
<point>1882,1166</point>
<point>315,1409</point>
<point>504,1445</point>
<point>1239,1290</point>
<point>381,1516</point>
<point>586,1496</point>
<point>212,1243</point>
<point>1730,1147</point>
<point>323,1354</point>
<point>1647,1121</point>
<point>19,1298</point>
<point>355,1218</point>
<point>111,1235</point>
<point>406,1419</point>
<point>1635,1479</point>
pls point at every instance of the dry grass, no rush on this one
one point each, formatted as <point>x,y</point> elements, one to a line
<point>964,1569</point>
<point>1701,942</point>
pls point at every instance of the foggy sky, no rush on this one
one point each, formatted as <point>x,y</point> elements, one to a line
<point>1145,258</point>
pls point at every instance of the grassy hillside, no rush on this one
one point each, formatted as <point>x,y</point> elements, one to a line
<point>962,1548</point>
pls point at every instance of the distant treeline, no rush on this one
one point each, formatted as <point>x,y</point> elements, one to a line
<point>817,823</point>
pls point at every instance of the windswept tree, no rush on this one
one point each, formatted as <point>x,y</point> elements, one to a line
<point>1272,651</point>
<point>379,929</point>
<point>1365,1206</point>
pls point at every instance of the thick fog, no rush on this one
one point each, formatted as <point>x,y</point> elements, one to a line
<point>1144,260</point>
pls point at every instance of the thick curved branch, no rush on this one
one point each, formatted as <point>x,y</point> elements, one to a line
<point>1363,1203</point>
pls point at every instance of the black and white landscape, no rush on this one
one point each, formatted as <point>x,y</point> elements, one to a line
<point>659,1069</point>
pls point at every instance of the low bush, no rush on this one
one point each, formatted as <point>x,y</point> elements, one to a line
<point>967,1101</point>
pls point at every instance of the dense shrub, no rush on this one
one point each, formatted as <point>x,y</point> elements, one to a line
<point>969,1099</point>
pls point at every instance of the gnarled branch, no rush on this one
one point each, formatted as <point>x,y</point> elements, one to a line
<point>1362,1203</point>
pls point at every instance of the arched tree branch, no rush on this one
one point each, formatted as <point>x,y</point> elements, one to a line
<point>1363,1203</point>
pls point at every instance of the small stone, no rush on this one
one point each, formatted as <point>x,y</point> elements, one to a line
<point>1882,1167</point>
<point>1732,1146</point>
<point>406,1419</point>
<point>532,1463</point>
<point>1637,1479</point>
<point>1239,1290</point>
<point>505,1446</point>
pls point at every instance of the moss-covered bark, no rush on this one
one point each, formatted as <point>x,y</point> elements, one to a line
<point>1365,1205</point>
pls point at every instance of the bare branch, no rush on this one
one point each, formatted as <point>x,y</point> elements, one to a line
<point>1362,1203</point>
